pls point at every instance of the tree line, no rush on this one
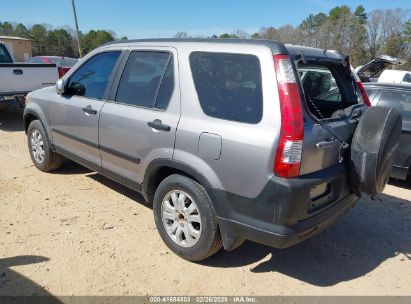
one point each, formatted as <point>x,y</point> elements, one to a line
<point>61,41</point>
<point>363,35</point>
<point>355,32</point>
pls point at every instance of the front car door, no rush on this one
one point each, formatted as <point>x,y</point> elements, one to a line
<point>75,114</point>
<point>139,122</point>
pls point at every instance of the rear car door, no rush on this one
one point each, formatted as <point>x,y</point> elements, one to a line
<point>74,115</point>
<point>140,121</point>
<point>332,100</point>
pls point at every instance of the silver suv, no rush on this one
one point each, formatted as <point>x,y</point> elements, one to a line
<point>231,140</point>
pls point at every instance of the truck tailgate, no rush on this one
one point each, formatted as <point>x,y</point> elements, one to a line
<point>21,78</point>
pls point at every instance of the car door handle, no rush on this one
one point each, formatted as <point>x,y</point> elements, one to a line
<point>326,144</point>
<point>18,72</point>
<point>158,125</point>
<point>89,110</point>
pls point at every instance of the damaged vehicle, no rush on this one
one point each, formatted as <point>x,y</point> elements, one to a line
<point>230,140</point>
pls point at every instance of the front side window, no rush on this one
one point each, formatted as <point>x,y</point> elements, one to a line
<point>147,80</point>
<point>228,85</point>
<point>91,79</point>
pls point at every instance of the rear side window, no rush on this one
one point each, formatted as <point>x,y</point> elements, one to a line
<point>228,85</point>
<point>91,79</point>
<point>399,99</point>
<point>147,80</point>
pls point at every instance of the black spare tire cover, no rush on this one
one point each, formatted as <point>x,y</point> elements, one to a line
<point>373,149</point>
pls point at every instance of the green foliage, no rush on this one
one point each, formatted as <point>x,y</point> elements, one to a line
<point>361,14</point>
<point>406,32</point>
<point>394,45</point>
<point>256,36</point>
<point>339,12</point>
<point>38,34</point>
<point>58,41</point>
<point>21,31</point>
<point>94,39</point>
<point>6,29</point>
<point>225,35</point>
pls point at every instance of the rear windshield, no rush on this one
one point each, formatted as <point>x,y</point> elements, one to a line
<point>4,55</point>
<point>327,88</point>
<point>63,62</point>
<point>228,85</point>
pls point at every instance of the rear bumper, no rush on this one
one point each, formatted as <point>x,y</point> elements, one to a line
<point>237,232</point>
<point>286,212</point>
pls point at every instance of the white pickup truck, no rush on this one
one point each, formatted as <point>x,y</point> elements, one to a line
<point>18,79</point>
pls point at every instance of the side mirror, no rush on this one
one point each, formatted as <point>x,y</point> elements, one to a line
<point>60,87</point>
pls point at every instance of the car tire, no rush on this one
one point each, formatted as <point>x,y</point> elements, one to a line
<point>39,147</point>
<point>185,218</point>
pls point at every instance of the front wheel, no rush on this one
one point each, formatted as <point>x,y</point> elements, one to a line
<point>39,147</point>
<point>185,219</point>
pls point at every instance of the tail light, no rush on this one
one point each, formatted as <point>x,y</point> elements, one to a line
<point>364,94</point>
<point>62,71</point>
<point>289,148</point>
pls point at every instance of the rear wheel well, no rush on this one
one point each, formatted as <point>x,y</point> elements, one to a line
<point>28,118</point>
<point>159,175</point>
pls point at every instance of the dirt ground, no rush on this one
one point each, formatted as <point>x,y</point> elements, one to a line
<point>74,232</point>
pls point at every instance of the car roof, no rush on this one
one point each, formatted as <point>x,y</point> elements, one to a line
<point>388,85</point>
<point>275,46</point>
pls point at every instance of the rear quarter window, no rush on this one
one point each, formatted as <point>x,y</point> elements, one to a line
<point>228,85</point>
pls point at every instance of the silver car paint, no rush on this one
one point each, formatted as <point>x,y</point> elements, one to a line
<point>247,150</point>
<point>124,128</point>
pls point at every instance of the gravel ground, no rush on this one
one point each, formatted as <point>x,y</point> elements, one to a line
<point>74,232</point>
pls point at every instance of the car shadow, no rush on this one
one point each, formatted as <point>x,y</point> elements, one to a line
<point>406,184</point>
<point>11,120</point>
<point>15,287</point>
<point>71,168</point>
<point>371,233</point>
<point>120,189</point>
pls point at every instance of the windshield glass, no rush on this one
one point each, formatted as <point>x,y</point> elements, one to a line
<point>4,55</point>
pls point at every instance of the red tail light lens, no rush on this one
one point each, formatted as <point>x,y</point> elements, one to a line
<point>62,71</point>
<point>365,97</point>
<point>289,149</point>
